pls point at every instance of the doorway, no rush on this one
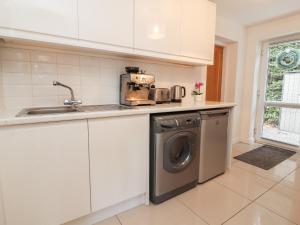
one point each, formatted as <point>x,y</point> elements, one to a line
<point>214,76</point>
<point>278,111</point>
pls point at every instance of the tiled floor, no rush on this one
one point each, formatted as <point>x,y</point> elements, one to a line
<point>244,195</point>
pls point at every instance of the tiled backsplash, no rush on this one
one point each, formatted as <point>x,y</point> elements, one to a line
<point>27,74</point>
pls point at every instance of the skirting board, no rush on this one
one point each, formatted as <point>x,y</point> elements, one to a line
<point>235,140</point>
<point>110,211</point>
<point>249,140</point>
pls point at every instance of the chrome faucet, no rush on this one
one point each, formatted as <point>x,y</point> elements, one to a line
<point>72,101</point>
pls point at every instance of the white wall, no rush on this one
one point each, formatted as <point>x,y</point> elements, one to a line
<point>232,36</point>
<point>27,74</point>
<point>2,218</point>
<point>255,36</point>
<point>229,29</point>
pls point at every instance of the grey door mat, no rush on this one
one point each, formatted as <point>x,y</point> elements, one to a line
<point>265,157</point>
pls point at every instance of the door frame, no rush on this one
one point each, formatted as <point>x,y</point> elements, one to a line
<point>261,94</point>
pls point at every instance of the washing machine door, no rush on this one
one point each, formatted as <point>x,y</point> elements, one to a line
<point>179,151</point>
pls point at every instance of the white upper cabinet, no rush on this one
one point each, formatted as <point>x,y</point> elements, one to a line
<point>54,17</point>
<point>157,26</point>
<point>106,21</point>
<point>198,29</point>
<point>173,30</point>
<point>44,173</point>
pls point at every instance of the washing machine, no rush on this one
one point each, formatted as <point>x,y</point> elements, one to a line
<point>174,154</point>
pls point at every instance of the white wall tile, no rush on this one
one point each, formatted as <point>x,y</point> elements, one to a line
<point>44,91</point>
<point>45,101</point>
<point>16,78</point>
<point>89,71</point>
<point>65,92</point>
<point>110,76</point>
<point>92,101</point>
<point>13,54</point>
<point>1,93</point>
<point>91,92</point>
<point>110,63</point>
<point>69,79</point>
<point>42,56</point>
<point>88,61</point>
<point>15,67</point>
<point>17,91</point>
<point>68,59</point>
<point>68,70</point>
<point>26,77</point>
<point>43,79</point>
<point>1,103</point>
<point>61,99</point>
<point>107,99</point>
<point>44,68</point>
<point>17,102</point>
<point>88,80</point>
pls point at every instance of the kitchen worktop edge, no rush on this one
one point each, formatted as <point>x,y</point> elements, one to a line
<point>9,118</point>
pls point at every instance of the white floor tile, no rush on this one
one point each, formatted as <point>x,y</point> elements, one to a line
<point>240,148</point>
<point>171,212</point>
<point>245,183</point>
<point>293,180</point>
<point>276,174</point>
<point>213,202</point>
<point>257,215</point>
<point>284,201</point>
<point>110,221</point>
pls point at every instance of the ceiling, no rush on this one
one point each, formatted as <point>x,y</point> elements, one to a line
<point>248,12</point>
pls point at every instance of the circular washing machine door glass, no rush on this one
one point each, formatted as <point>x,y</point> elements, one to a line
<point>179,151</point>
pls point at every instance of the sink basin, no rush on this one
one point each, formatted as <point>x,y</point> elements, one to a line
<point>69,109</point>
<point>47,111</point>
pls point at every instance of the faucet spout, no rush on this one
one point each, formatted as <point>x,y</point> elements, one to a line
<point>72,101</point>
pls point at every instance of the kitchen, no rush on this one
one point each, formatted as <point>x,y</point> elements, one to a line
<point>105,116</point>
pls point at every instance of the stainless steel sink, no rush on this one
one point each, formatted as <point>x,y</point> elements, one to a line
<point>69,109</point>
<point>47,110</point>
<point>97,108</point>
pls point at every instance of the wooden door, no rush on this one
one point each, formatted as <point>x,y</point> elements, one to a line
<point>214,76</point>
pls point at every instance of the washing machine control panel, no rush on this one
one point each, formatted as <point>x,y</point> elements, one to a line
<point>171,123</point>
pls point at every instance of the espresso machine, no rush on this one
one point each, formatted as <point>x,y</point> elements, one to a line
<point>135,88</point>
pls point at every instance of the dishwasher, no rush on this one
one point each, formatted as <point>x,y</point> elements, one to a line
<point>213,143</point>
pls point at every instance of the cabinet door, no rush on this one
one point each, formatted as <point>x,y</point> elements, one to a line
<point>45,173</point>
<point>198,29</point>
<point>157,26</point>
<point>106,21</point>
<point>119,149</point>
<point>56,17</point>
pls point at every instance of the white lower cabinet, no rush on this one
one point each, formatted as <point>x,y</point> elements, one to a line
<point>44,172</point>
<point>119,153</point>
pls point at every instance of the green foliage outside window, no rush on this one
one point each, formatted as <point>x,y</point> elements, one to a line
<point>275,80</point>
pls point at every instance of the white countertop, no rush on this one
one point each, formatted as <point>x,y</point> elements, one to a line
<point>9,118</point>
